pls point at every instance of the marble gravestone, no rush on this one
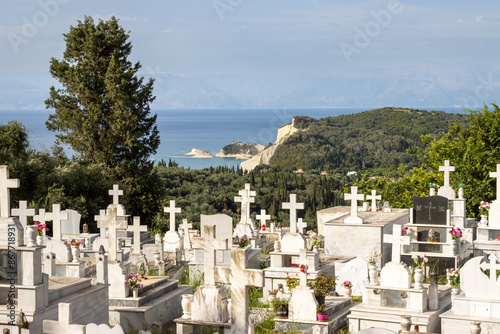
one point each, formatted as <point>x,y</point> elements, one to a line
<point>430,210</point>
<point>23,213</point>
<point>293,241</point>
<point>446,190</point>
<point>172,240</point>
<point>70,228</point>
<point>354,197</point>
<point>246,225</point>
<point>352,270</point>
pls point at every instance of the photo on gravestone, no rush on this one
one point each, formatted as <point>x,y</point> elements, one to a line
<point>393,298</point>
<point>430,236</point>
<point>430,210</point>
<point>6,268</point>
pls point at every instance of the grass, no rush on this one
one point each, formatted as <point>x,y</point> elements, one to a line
<point>254,294</point>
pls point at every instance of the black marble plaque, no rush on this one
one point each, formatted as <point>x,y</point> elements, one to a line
<point>430,210</point>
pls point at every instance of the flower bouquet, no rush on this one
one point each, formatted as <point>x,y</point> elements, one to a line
<point>347,284</point>
<point>132,281</point>
<point>453,276</point>
<point>484,207</point>
<point>74,242</point>
<point>372,257</point>
<point>242,242</point>
<point>419,264</point>
<point>404,230</point>
<point>41,227</point>
<point>455,233</point>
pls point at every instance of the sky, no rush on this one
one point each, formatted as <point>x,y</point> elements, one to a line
<point>275,37</point>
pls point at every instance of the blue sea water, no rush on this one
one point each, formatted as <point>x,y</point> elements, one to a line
<point>207,130</point>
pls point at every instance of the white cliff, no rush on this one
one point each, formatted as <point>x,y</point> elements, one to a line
<point>196,153</point>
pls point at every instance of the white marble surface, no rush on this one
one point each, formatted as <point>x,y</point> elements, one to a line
<point>60,248</point>
<point>395,275</point>
<point>210,304</point>
<point>302,305</point>
<point>355,271</point>
<point>293,243</point>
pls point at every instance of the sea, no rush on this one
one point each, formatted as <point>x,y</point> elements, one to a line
<point>204,129</point>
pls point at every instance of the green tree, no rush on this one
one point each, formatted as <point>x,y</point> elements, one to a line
<point>103,109</point>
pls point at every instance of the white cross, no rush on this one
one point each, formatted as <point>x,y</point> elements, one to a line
<point>303,273</point>
<point>56,216</point>
<point>240,278</point>
<point>397,240</point>
<point>301,225</point>
<point>293,206</point>
<point>354,197</point>
<point>113,223</point>
<point>100,219</point>
<point>209,243</point>
<point>137,228</point>
<point>245,199</point>
<point>263,218</point>
<point>5,185</point>
<point>492,267</point>
<point>447,169</point>
<point>374,197</point>
<point>116,193</point>
<point>497,175</point>
<point>23,213</point>
<point>185,227</point>
<point>172,210</point>
<point>41,218</point>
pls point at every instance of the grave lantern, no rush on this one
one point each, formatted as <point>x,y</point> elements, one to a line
<point>22,322</point>
<point>101,250</point>
<point>85,228</point>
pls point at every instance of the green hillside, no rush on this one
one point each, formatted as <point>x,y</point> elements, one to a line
<point>375,139</point>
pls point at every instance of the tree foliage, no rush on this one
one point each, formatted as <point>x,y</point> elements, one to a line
<point>103,109</point>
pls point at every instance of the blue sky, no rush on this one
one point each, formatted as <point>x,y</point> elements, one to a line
<point>278,37</point>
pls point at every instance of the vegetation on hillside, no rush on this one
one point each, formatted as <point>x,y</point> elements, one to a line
<point>375,140</point>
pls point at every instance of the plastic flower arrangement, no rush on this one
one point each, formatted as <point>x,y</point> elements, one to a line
<point>132,281</point>
<point>74,242</point>
<point>242,242</point>
<point>347,284</point>
<point>419,264</point>
<point>455,233</point>
<point>404,230</point>
<point>322,284</point>
<point>41,227</point>
<point>453,276</point>
<point>313,239</point>
<point>372,257</point>
<point>484,207</point>
<point>291,282</point>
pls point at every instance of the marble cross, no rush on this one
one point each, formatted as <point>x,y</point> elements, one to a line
<point>137,228</point>
<point>113,222</point>
<point>447,169</point>
<point>41,218</point>
<point>5,185</point>
<point>293,206</point>
<point>100,219</point>
<point>116,193</point>
<point>497,175</point>
<point>246,197</point>
<point>303,272</point>
<point>397,240</point>
<point>263,218</point>
<point>185,227</point>
<point>492,266</point>
<point>301,226</point>
<point>354,197</point>
<point>374,197</point>
<point>56,216</point>
<point>240,278</point>
<point>23,213</point>
<point>210,245</point>
<point>172,210</point>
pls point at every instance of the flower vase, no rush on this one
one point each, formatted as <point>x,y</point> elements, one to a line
<point>186,302</point>
<point>347,291</point>
<point>484,221</point>
<point>39,240</point>
<point>277,246</point>
<point>315,249</point>
<point>229,308</point>
<point>322,316</point>
<point>31,232</point>
<point>405,322</point>
<point>126,292</point>
<point>135,292</point>
<point>75,251</point>
<point>475,327</point>
<point>456,246</point>
<point>373,273</point>
<point>419,278</point>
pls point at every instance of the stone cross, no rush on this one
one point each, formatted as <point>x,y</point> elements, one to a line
<point>41,218</point>
<point>116,193</point>
<point>56,216</point>
<point>354,197</point>
<point>263,218</point>
<point>397,240</point>
<point>209,244</point>
<point>447,169</point>
<point>5,185</point>
<point>23,213</point>
<point>172,210</point>
<point>185,227</point>
<point>100,219</point>
<point>303,273</point>
<point>113,222</point>
<point>497,175</point>
<point>240,278</point>
<point>246,197</point>
<point>293,206</point>
<point>301,225</point>
<point>137,228</point>
<point>492,267</point>
<point>374,197</point>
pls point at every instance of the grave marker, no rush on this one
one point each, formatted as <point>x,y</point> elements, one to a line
<point>447,169</point>
<point>23,213</point>
<point>263,219</point>
<point>5,185</point>
<point>246,198</point>
<point>172,210</point>
<point>185,228</point>
<point>56,216</point>
<point>397,240</point>
<point>210,245</point>
<point>116,193</point>
<point>374,197</point>
<point>354,197</point>
<point>301,226</point>
<point>113,222</point>
<point>137,228</point>
<point>293,206</point>
<point>430,210</point>
<point>100,219</point>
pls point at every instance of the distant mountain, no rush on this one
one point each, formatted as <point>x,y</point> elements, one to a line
<point>426,84</point>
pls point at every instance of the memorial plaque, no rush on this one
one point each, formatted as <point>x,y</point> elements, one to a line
<point>430,210</point>
<point>393,298</point>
